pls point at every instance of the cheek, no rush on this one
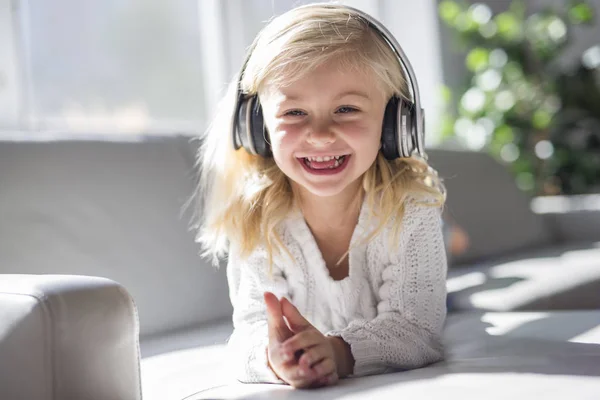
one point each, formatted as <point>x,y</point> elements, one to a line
<point>285,139</point>
<point>283,144</point>
<point>364,133</point>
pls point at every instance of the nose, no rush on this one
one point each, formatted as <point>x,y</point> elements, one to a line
<point>320,135</point>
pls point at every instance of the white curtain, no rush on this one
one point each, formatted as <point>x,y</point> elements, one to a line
<point>10,91</point>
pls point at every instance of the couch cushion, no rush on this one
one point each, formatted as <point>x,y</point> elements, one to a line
<point>113,210</point>
<point>522,355</point>
<point>484,199</point>
<point>182,362</point>
<point>559,277</point>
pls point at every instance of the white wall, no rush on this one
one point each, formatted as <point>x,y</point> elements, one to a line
<point>413,23</point>
<point>415,26</point>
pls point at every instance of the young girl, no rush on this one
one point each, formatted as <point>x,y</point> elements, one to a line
<point>336,262</point>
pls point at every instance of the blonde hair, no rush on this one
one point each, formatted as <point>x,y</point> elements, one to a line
<point>243,198</point>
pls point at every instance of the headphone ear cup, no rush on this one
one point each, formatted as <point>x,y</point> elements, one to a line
<point>250,130</point>
<point>241,138</point>
<point>389,130</point>
<point>407,129</point>
<point>258,130</point>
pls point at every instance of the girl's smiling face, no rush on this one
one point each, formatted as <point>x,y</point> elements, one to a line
<point>325,128</point>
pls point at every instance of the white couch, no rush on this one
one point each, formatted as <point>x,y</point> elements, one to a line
<point>524,323</point>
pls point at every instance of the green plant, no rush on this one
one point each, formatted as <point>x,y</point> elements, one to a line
<point>519,103</point>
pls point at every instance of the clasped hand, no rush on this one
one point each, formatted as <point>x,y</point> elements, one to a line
<point>298,353</point>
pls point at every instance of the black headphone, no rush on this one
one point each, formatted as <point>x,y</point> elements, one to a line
<point>403,129</point>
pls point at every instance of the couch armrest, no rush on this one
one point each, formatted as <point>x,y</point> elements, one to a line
<point>67,337</point>
<point>572,218</point>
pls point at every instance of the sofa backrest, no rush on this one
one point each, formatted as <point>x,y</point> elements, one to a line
<point>485,201</point>
<point>115,210</point>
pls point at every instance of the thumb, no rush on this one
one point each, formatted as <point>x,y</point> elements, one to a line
<point>296,321</point>
<point>278,330</point>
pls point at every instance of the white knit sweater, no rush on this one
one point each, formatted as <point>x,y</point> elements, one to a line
<point>390,309</point>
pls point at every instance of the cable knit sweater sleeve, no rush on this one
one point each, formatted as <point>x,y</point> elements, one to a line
<point>411,309</point>
<point>247,347</point>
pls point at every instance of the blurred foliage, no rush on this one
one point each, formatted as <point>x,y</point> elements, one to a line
<point>519,103</point>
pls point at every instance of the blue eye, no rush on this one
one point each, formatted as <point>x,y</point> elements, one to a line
<point>346,110</point>
<point>295,113</point>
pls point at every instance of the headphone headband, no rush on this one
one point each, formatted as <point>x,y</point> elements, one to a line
<point>389,38</point>
<point>405,63</point>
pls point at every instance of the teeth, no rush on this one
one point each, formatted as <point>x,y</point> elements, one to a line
<point>325,158</point>
<point>338,160</point>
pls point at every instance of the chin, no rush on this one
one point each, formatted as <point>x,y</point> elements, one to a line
<point>318,191</point>
<point>326,189</point>
<point>324,186</point>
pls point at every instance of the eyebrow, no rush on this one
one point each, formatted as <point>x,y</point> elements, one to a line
<point>353,93</point>
<point>358,93</point>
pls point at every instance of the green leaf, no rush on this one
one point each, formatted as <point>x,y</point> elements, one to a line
<point>477,59</point>
<point>581,13</point>
<point>509,26</point>
<point>541,119</point>
<point>525,181</point>
<point>448,11</point>
<point>464,23</point>
<point>504,134</point>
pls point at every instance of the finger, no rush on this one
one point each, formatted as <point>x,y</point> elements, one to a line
<point>302,341</point>
<point>278,330</point>
<point>279,358</point>
<point>296,321</point>
<point>273,305</point>
<point>301,383</point>
<point>324,368</point>
<point>312,356</point>
<point>328,380</point>
<point>299,377</point>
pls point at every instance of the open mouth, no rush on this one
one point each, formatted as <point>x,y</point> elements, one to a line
<point>324,165</point>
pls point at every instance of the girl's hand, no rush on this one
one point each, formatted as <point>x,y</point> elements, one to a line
<point>317,362</point>
<point>298,354</point>
<point>279,332</point>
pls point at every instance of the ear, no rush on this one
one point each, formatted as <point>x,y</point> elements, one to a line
<point>294,319</point>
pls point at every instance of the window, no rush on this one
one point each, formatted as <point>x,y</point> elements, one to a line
<point>117,69</point>
<point>109,67</point>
